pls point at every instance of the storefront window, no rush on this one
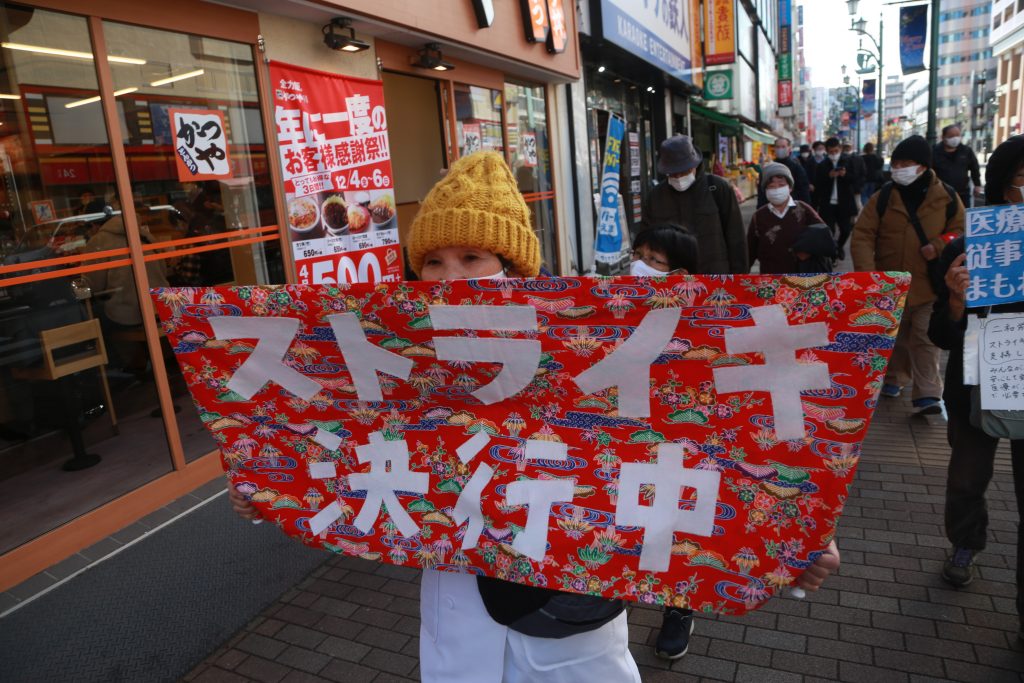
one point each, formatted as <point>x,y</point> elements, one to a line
<point>478,119</point>
<point>217,229</point>
<point>529,152</point>
<point>80,422</point>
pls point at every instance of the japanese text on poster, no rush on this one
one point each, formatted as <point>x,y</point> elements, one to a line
<point>332,136</point>
<point>516,428</point>
<point>994,237</point>
<point>1002,362</point>
<point>200,144</point>
<point>609,228</point>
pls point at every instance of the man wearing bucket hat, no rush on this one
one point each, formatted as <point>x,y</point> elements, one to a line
<point>703,203</point>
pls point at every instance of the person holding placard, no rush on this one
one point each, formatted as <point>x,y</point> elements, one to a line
<point>973,449</point>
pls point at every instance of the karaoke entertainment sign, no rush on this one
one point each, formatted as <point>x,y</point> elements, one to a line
<point>683,440</point>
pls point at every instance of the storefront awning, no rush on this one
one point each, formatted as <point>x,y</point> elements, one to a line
<point>757,135</point>
<point>727,124</point>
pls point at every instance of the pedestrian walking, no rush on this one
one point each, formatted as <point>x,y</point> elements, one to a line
<point>810,165</point>
<point>834,188</point>
<point>873,179</point>
<point>904,226</point>
<point>972,450</point>
<point>784,155</point>
<point>703,203</point>
<point>776,226</point>
<point>956,164</point>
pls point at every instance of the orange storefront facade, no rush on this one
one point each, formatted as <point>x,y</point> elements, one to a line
<point>96,426</point>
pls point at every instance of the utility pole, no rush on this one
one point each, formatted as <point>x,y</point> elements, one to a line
<point>933,76</point>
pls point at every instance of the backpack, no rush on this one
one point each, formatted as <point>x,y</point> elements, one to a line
<point>886,191</point>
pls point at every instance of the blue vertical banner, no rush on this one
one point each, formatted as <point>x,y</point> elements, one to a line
<point>913,33</point>
<point>609,229</point>
<point>995,255</point>
<point>868,98</point>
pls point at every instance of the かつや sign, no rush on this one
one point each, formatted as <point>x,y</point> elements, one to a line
<point>685,440</point>
<point>200,144</point>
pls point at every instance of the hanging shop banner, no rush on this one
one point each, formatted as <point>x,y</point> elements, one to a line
<point>868,98</point>
<point>718,85</point>
<point>785,57</point>
<point>913,34</point>
<point>332,136</point>
<point>687,440</point>
<point>720,32</point>
<point>200,144</point>
<point>608,248</point>
<point>995,260</point>
<point>660,33</point>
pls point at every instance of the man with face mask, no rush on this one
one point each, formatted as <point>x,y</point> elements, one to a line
<point>784,156</point>
<point>956,163</point>
<point>834,188</point>
<point>703,203</point>
<point>905,225</point>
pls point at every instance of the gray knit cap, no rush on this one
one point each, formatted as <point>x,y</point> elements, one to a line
<point>774,170</point>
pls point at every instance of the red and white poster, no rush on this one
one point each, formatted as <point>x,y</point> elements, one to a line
<point>332,135</point>
<point>687,440</point>
<point>200,144</point>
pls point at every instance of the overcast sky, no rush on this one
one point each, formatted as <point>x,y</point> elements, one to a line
<point>828,42</point>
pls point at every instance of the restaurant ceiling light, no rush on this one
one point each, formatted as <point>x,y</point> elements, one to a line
<point>341,42</point>
<point>430,57</point>
<point>90,100</point>
<point>9,96</point>
<point>179,77</point>
<point>600,69</point>
<point>68,53</point>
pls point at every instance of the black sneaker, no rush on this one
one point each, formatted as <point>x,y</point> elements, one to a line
<point>674,638</point>
<point>958,569</point>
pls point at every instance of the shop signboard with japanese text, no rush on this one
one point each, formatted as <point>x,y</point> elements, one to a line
<point>336,163</point>
<point>660,33</point>
<point>720,32</point>
<point>608,246</point>
<point>685,440</point>
<point>200,144</point>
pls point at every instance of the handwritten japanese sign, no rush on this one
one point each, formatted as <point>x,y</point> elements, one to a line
<point>1002,362</point>
<point>686,440</point>
<point>529,150</point>
<point>995,260</point>
<point>200,144</point>
<point>336,162</point>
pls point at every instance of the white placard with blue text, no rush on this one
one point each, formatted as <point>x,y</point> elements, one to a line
<point>995,255</point>
<point>660,33</point>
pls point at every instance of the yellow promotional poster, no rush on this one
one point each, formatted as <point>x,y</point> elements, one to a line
<point>719,32</point>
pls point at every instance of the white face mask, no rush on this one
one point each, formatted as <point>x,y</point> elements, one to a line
<point>834,158</point>
<point>639,268</point>
<point>781,152</point>
<point>682,183</point>
<point>907,175</point>
<point>952,142</point>
<point>804,155</point>
<point>497,276</point>
<point>777,195</point>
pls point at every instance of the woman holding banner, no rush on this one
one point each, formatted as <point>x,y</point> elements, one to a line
<point>474,224</point>
<point>973,450</point>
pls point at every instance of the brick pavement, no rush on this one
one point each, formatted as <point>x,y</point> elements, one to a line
<point>885,617</point>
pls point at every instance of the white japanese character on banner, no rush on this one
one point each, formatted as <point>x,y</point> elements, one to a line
<point>468,506</point>
<point>539,495</point>
<point>389,474</point>
<point>289,125</point>
<point>520,358</point>
<point>628,367</point>
<point>977,289</point>
<point>359,121</point>
<point>663,517</point>
<point>781,375</point>
<point>979,256</point>
<point>979,224</point>
<point>1010,219</point>
<point>364,359</point>
<point>273,339</point>
<point>1007,252</point>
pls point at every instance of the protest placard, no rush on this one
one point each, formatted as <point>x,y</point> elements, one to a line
<point>1001,355</point>
<point>687,440</point>
<point>994,239</point>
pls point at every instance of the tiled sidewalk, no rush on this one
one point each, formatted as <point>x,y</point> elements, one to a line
<point>886,617</point>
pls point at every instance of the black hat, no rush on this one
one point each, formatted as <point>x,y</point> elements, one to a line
<point>914,148</point>
<point>678,155</point>
<point>1002,166</point>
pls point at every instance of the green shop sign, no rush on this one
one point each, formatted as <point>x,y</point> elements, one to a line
<point>718,85</point>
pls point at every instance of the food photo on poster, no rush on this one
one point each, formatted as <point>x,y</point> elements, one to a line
<point>684,441</point>
<point>336,164</point>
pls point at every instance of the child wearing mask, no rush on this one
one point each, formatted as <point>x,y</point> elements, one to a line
<point>474,224</point>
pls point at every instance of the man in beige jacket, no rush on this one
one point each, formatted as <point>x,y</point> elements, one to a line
<point>885,238</point>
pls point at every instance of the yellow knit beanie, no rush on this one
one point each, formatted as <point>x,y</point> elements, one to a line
<point>477,204</point>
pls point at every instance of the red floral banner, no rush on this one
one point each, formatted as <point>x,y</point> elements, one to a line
<point>686,440</point>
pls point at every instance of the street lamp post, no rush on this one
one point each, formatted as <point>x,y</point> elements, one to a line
<point>858,26</point>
